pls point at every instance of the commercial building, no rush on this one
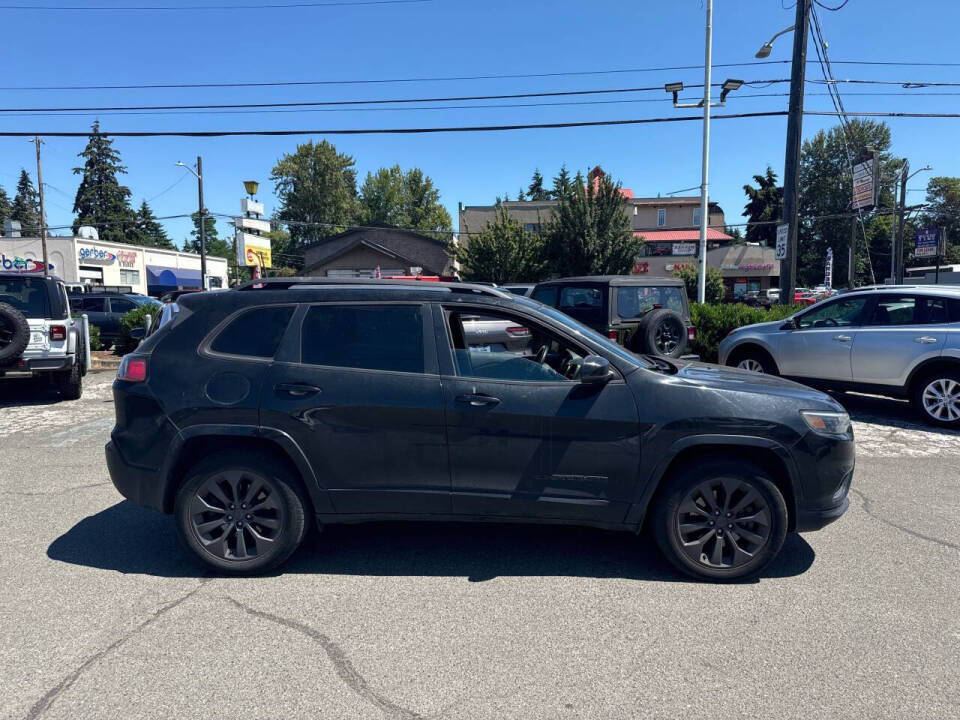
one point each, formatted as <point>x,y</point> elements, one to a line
<point>745,268</point>
<point>87,260</point>
<point>360,252</point>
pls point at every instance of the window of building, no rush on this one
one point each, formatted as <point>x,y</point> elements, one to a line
<point>255,333</point>
<point>129,277</point>
<point>367,337</point>
<point>532,227</point>
<point>661,217</point>
<point>91,275</point>
<point>696,217</point>
<point>654,249</point>
<point>214,281</point>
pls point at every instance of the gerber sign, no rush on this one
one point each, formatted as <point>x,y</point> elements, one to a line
<point>20,265</point>
<point>96,255</point>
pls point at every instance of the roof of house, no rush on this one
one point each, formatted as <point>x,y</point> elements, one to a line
<point>370,228</point>
<point>680,235</point>
<point>358,241</point>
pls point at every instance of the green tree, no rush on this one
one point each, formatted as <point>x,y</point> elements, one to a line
<point>943,211</point>
<point>520,195</point>
<point>148,231</point>
<point>404,199</point>
<point>691,278</point>
<point>503,252</point>
<point>536,191</point>
<point>216,245</point>
<point>825,190</point>
<point>26,206</point>
<point>764,205</point>
<point>316,185</point>
<point>5,208</point>
<point>101,200</point>
<point>562,185</point>
<point>590,233</point>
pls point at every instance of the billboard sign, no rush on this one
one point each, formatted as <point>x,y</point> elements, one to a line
<point>864,184</point>
<point>927,243</point>
<point>685,248</point>
<point>253,250</point>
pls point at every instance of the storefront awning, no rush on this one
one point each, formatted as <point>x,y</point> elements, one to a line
<point>172,278</point>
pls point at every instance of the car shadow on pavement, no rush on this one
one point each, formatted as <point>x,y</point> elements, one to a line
<point>886,411</point>
<point>31,391</point>
<point>130,539</point>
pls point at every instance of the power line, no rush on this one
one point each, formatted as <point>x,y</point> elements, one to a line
<point>181,8</point>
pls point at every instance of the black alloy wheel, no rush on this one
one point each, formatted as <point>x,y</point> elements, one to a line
<point>238,515</point>
<point>666,339</point>
<point>720,520</point>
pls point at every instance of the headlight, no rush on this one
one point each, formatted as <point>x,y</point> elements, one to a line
<point>826,423</point>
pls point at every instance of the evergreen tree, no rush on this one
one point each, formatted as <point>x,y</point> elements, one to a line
<point>520,195</point>
<point>148,231</point>
<point>943,211</point>
<point>5,208</point>
<point>26,207</point>
<point>536,191</point>
<point>590,231</point>
<point>503,252</point>
<point>764,205</point>
<point>211,237</point>
<point>101,200</point>
<point>562,186</point>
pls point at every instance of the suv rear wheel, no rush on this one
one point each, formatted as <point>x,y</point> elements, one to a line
<point>70,383</point>
<point>937,398</point>
<point>239,514</point>
<point>720,520</point>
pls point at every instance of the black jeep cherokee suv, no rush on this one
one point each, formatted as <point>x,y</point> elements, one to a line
<point>250,414</point>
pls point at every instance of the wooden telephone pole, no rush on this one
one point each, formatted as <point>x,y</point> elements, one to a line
<point>43,216</point>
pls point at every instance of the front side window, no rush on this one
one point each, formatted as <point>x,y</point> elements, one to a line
<point>365,337</point>
<point>839,313</point>
<point>633,302</point>
<point>255,333</point>
<point>492,346</point>
<point>28,295</point>
<point>546,295</point>
<point>894,310</point>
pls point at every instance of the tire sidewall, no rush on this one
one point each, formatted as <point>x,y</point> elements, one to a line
<point>9,315</point>
<point>294,505</point>
<point>668,538</point>
<point>71,383</point>
<point>918,398</point>
<point>652,322</point>
<point>766,362</point>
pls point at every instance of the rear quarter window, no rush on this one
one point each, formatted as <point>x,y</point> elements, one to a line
<point>255,333</point>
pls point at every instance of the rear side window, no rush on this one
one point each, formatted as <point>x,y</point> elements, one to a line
<point>255,333</point>
<point>894,310</point>
<point>367,337</point>
<point>954,310</point>
<point>546,295</point>
<point>121,305</point>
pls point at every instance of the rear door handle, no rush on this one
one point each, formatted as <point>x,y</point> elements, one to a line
<point>842,338</point>
<point>926,340</point>
<point>478,400</point>
<point>297,389</point>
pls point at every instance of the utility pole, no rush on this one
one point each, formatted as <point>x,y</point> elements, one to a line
<point>852,261</point>
<point>704,199</point>
<point>203,239</point>
<point>43,216</point>
<point>791,190</point>
<point>903,205</point>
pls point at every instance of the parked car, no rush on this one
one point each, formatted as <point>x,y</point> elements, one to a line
<point>494,335</point>
<point>106,309</point>
<point>524,289</point>
<point>804,298</point>
<point>772,295</point>
<point>362,400</point>
<point>645,315</point>
<point>38,336</point>
<point>897,341</point>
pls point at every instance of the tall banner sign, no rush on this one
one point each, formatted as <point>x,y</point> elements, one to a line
<point>828,270</point>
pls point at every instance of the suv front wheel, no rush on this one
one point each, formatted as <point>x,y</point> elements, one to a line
<point>720,520</point>
<point>240,515</point>
<point>937,398</point>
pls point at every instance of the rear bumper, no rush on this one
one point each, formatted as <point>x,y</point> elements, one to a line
<point>138,485</point>
<point>28,367</point>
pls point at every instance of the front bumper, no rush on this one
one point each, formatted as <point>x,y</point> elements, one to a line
<point>825,466</point>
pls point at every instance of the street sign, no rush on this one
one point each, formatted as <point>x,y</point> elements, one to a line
<point>927,243</point>
<point>864,184</point>
<point>782,231</point>
<point>828,269</point>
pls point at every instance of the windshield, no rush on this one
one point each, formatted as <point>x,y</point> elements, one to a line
<point>28,295</point>
<point>634,301</point>
<point>581,329</point>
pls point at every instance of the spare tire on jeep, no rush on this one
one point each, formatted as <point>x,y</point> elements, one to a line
<point>14,334</point>
<point>661,332</point>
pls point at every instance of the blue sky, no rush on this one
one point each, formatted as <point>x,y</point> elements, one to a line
<point>453,38</point>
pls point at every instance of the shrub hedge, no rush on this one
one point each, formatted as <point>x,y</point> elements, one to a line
<point>714,322</point>
<point>128,322</point>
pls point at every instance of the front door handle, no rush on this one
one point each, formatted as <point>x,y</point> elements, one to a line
<point>297,389</point>
<point>842,338</point>
<point>478,399</point>
<point>925,339</point>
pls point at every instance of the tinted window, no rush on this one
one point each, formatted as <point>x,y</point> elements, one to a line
<point>584,303</point>
<point>933,311</point>
<point>954,310</point>
<point>636,301</point>
<point>121,305</point>
<point>255,333</point>
<point>839,313</point>
<point>370,337</point>
<point>546,295</point>
<point>95,304</point>
<point>894,310</point>
<point>28,295</point>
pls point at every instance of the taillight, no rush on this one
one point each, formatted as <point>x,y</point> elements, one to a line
<point>58,332</point>
<point>613,334</point>
<point>132,368</point>
<point>691,333</point>
<point>517,330</point>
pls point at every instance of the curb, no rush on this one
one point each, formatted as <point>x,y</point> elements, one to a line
<point>104,363</point>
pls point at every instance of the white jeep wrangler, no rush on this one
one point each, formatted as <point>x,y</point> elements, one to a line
<point>38,336</point>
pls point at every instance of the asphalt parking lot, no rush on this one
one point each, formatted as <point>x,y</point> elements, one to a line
<point>103,615</point>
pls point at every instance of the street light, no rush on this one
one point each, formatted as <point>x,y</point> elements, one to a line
<point>198,173</point>
<point>767,47</point>
<point>251,186</point>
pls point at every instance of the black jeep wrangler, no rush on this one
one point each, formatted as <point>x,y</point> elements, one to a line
<point>645,315</point>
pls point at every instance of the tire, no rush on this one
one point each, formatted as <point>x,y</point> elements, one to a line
<point>661,332</point>
<point>936,397</point>
<point>208,497</point>
<point>70,383</point>
<point>754,360</point>
<point>685,528</point>
<point>14,334</point>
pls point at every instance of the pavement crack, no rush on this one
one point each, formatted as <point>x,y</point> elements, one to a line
<point>867,504</point>
<point>338,658</point>
<point>63,491</point>
<point>44,703</point>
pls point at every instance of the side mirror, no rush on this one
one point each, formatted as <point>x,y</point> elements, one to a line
<point>789,325</point>
<point>595,370</point>
<point>138,333</point>
<point>147,324</point>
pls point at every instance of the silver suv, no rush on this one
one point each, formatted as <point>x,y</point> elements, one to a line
<point>900,341</point>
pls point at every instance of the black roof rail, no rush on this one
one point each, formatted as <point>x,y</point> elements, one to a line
<point>286,283</point>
